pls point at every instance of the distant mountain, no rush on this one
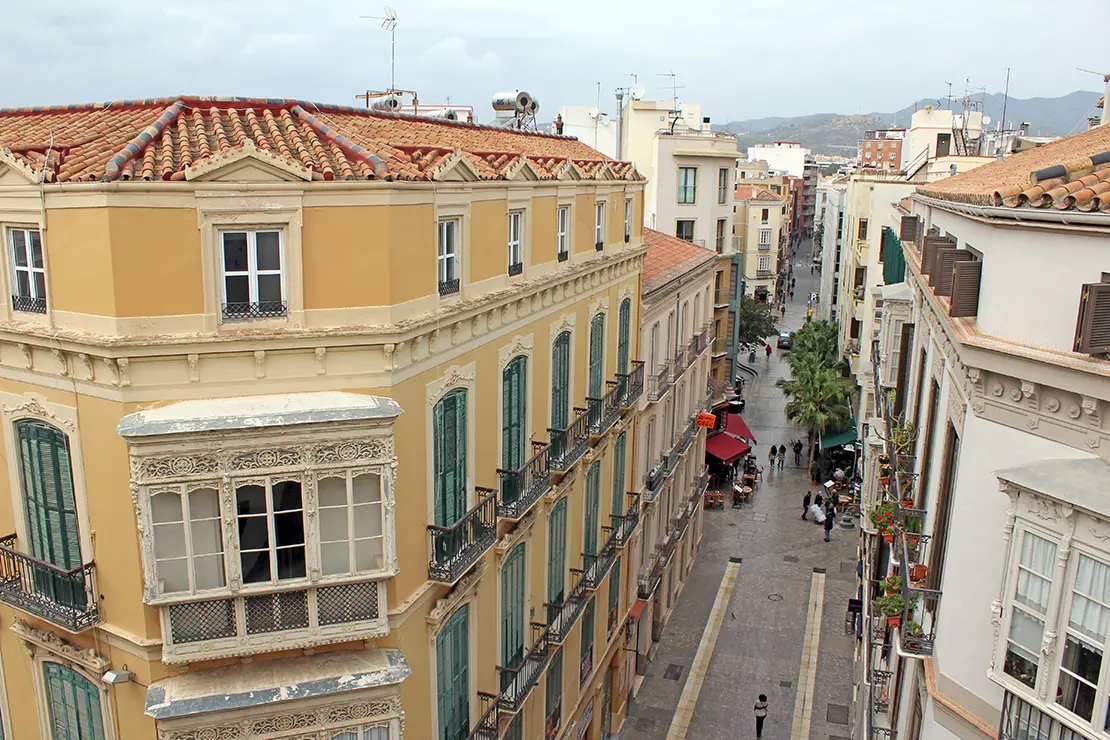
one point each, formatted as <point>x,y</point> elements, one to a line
<point>832,133</point>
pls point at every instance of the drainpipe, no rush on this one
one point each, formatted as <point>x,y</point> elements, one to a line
<point>620,125</point>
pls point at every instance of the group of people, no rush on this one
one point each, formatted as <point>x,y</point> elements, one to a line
<point>777,455</point>
<point>822,509</point>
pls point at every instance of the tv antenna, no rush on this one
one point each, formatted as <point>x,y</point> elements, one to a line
<point>675,112</point>
<point>389,23</point>
<point>949,98</point>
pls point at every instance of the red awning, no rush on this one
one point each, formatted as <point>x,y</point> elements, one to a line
<point>736,426</point>
<point>636,610</point>
<point>726,448</point>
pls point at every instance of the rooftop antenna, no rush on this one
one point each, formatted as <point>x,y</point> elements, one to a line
<point>389,23</point>
<point>949,98</point>
<point>675,112</point>
<point>1005,100</point>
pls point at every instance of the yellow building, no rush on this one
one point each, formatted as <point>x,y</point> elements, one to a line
<point>759,225</point>
<point>318,424</point>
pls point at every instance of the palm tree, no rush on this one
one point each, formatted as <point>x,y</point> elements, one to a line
<point>819,401</point>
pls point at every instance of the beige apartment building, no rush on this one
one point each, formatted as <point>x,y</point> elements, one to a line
<point>760,222</point>
<point>319,424</point>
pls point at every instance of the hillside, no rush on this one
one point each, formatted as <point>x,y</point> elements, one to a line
<point>832,133</point>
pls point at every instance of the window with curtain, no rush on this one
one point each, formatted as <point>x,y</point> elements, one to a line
<point>449,457</point>
<point>553,701</point>
<point>560,381</point>
<point>618,474</point>
<point>1029,608</point>
<point>73,702</point>
<point>557,552</point>
<point>452,676</point>
<point>593,495</point>
<point>512,609</point>
<point>597,356</point>
<point>687,185</point>
<point>514,393</point>
<point>1085,638</point>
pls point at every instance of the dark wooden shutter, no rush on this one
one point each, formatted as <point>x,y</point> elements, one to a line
<point>946,260</point>
<point>1092,329</point>
<point>939,542</point>
<point>597,355</point>
<point>965,288</point>
<point>929,248</point>
<point>624,330</point>
<point>512,411</point>
<point>449,450</point>
<point>908,230</point>
<point>904,360</point>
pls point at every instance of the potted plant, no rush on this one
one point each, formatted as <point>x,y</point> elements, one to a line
<point>891,607</point>
<point>815,471</point>
<point>913,629</point>
<point>882,516</point>
<point>892,584</point>
<point>918,572</point>
<point>912,527</point>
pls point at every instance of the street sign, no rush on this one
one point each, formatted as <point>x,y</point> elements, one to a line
<point>706,421</point>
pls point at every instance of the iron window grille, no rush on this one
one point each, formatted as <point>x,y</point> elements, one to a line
<point>253,275</point>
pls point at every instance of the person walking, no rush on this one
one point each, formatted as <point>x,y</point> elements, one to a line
<point>768,348</point>
<point>760,714</point>
<point>782,456</point>
<point>805,504</point>
<point>783,309</point>
<point>830,516</point>
<point>819,500</point>
<point>771,460</point>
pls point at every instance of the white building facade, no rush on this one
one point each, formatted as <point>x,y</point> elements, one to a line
<point>998,460</point>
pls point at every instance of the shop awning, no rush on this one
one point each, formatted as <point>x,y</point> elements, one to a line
<point>835,439</point>
<point>726,448</point>
<point>736,426</point>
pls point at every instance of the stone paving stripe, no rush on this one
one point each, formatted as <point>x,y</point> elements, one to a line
<point>807,670</point>
<point>837,714</point>
<point>736,559</point>
<point>696,677</point>
<point>818,570</point>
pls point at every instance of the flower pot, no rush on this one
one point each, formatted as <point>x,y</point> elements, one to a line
<point>919,571</point>
<point>907,502</point>
<point>884,481</point>
<point>911,539</point>
<point>888,536</point>
<point>891,591</point>
<point>895,622</point>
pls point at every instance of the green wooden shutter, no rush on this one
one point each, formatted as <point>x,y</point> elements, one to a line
<point>618,474</point>
<point>560,382</point>
<point>554,690</point>
<point>452,677</point>
<point>614,590</point>
<point>557,552</point>
<point>593,495</point>
<point>74,704</point>
<point>624,328</point>
<point>449,450</point>
<point>512,609</point>
<point>586,642</point>
<point>597,355</point>
<point>48,491</point>
<point>513,390</point>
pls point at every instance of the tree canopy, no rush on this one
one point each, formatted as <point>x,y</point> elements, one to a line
<point>755,320</point>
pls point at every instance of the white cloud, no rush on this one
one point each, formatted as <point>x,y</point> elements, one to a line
<point>453,50</point>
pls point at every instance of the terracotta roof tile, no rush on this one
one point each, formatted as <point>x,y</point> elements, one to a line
<point>755,192</point>
<point>669,257</point>
<point>158,139</point>
<point>1072,173</point>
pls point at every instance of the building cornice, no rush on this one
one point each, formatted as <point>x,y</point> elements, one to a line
<point>1096,221</point>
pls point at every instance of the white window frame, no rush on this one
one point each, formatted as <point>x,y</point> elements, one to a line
<point>30,270</point>
<point>184,496</point>
<point>447,249</point>
<point>352,509</point>
<point>687,190</point>
<point>562,229</point>
<point>764,238</point>
<point>763,264</point>
<point>599,223</point>
<point>627,219</point>
<point>267,484</point>
<point>516,237</point>
<point>1102,690</point>
<point>253,272</point>
<point>722,186</point>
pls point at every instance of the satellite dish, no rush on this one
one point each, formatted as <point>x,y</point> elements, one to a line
<point>594,112</point>
<point>636,92</point>
<point>986,120</point>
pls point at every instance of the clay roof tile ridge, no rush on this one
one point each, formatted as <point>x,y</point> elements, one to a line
<point>133,147</point>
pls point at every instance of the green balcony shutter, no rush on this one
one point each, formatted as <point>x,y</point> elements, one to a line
<point>560,382</point>
<point>593,496</point>
<point>618,474</point>
<point>452,679</point>
<point>585,654</point>
<point>449,451</point>
<point>74,704</point>
<point>512,609</point>
<point>554,697</point>
<point>47,481</point>
<point>614,593</point>
<point>513,390</point>
<point>557,552</point>
<point>597,355</point>
<point>624,328</point>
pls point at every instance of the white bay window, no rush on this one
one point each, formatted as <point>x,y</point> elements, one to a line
<point>280,534</point>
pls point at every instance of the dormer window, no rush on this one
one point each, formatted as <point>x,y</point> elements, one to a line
<point>28,271</point>
<point>253,275</point>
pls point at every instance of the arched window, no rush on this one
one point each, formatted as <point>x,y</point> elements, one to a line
<point>74,704</point>
<point>449,454</point>
<point>512,609</point>
<point>560,381</point>
<point>453,676</point>
<point>46,477</point>
<point>597,356</point>
<point>514,391</point>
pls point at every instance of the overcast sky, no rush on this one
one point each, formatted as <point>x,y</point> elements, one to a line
<point>740,59</point>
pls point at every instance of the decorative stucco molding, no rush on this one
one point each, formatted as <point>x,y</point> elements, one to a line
<point>626,292</point>
<point>520,345</point>
<point>454,377</point>
<point>463,590</point>
<point>329,720</point>
<point>566,322</point>
<point>34,406</point>
<point>519,533</point>
<point>36,640</point>
<point>599,305</point>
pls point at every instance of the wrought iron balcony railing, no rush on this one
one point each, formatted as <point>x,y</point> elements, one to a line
<point>517,683</point>
<point>255,310</point>
<point>700,485</point>
<point>459,546</point>
<point>65,597</point>
<point>562,616</point>
<point>596,567</point>
<point>625,524</point>
<point>27,304</point>
<point>604,411</point>
<point>632,384</point>
<point>515,268</point>
<point>918,637</point>
<point>649,581</point>
<point>653,481</point>
<point>523,487</point>
<point>567,445</point>
<point>880,690</point>
<point>448,287</point>
<point>660,381</point>
<point>488,720</point>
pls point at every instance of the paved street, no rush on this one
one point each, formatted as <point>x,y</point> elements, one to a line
<point>762,645</point>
